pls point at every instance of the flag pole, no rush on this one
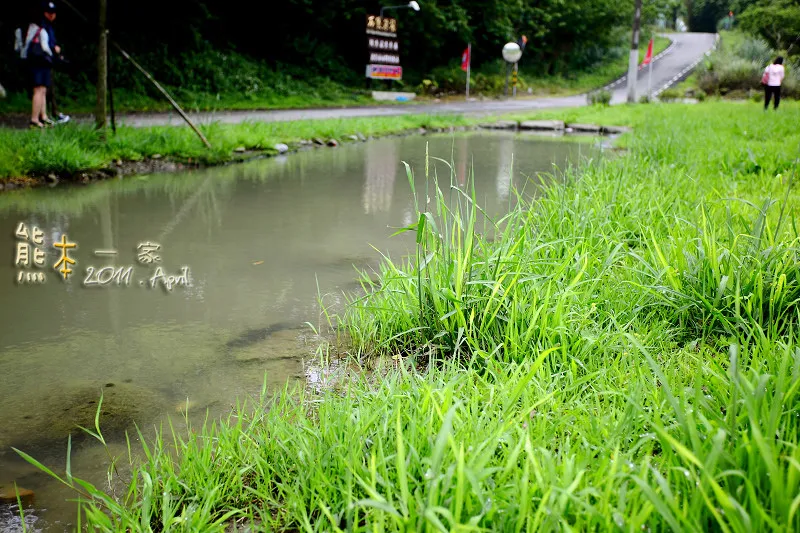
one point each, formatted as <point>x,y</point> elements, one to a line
<point>469,65</point>
<point>650,71</point>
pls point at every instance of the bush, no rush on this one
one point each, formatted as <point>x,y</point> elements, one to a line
<point>754,49</point>
<point>700,95</point>
<point>669,95</point>
<point>736,74</point>
<point>601,97</point>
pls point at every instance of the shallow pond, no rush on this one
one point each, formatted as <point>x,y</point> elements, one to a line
<point>251,249</point>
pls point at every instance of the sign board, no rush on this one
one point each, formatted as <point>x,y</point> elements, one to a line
<point>384,72</point>
<point>512,52</point>
<point>383,49</point>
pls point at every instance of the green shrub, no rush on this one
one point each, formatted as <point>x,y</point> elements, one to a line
<point>754,49</point>
<point>735,75</point>
<point>601,97</point>
<point>700,95</point>
<point>670,94</point>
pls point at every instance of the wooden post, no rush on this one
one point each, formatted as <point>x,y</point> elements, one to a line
<point>102,69</point>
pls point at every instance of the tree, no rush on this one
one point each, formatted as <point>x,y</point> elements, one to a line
<point>777,21</point>
<point>102,69</point>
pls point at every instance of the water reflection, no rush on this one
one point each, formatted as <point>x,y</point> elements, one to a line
<point>263,240</point>
<point>380,169</point>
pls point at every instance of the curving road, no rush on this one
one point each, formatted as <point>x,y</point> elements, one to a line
<point>669,67</point>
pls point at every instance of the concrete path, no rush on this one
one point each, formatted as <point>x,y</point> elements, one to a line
<point>676,62</point>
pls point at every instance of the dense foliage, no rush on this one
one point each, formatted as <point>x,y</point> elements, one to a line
<point>777,21</point>
<point>735,68</point>
<point>219,47</point>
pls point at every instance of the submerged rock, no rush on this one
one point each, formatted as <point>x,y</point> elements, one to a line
<point>9,494</point>
<point>283,345</point>
<point>254,336</point>
<point>54,417</point>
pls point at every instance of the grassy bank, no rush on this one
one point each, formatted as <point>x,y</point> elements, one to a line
<point>72,149</point>
<point>622,355</point>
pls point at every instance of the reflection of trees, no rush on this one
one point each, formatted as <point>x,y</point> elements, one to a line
<point>380,169</point>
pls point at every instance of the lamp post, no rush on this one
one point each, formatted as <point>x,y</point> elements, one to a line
<point>411,5</point>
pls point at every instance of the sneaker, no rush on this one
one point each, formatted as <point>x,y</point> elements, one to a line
<point>62,118</point>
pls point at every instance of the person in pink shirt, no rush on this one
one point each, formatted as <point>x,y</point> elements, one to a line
<point>773,77</point>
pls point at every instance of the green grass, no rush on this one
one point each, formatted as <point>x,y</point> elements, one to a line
<point>127,101</point>
<point>73,148</point>
<point>620,354</point>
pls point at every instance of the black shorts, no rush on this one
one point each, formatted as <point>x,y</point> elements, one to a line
<point>41,76</point>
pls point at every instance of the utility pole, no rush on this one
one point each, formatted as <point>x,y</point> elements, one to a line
<point>102,69</point>
<point>633,62</point>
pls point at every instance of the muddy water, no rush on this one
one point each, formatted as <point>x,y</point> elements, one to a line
<point>250,247</point>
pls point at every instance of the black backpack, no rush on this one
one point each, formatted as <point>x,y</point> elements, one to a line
<point>35,53</point>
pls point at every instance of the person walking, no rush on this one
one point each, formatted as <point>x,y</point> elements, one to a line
<point>58,60</point>
<point>39,53</point>
<point>773,77</point>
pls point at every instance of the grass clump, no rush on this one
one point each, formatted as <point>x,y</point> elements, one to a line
<point>602,97</point>
<point>619,353</point>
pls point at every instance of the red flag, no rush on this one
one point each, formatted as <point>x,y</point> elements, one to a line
<point>465,59</point>
<point>649,56</point>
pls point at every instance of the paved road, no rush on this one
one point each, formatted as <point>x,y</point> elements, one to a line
<point>687,50</point>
